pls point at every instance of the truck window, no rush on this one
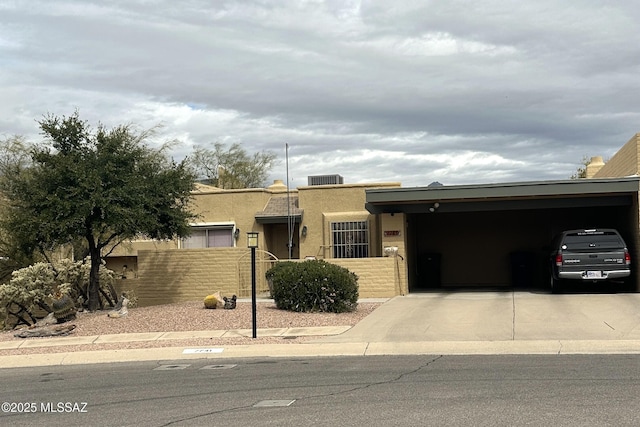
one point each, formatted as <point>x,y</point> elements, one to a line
<point>580,241</point>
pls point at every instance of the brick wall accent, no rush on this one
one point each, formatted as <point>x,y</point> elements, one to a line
<point>192,274</point>
<point>377,277</point>
<point>166,277</point>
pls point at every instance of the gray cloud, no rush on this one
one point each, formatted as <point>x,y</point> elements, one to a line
<point>457,91</point>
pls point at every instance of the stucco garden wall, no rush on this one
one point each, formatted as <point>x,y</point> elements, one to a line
<point>377,277</point>
<point>189,275</point>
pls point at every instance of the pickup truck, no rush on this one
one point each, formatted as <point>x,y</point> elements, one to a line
<point>589,255</point>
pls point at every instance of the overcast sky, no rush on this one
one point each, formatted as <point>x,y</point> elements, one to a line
<point>460,92</point>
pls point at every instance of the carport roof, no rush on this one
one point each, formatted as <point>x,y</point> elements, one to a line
<point>505,196</point>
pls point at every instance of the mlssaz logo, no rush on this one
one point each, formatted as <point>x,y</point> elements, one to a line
<point>63,407</point>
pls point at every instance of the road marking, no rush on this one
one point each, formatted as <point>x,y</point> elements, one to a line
<point>202,350</point>
<point>268,403</point>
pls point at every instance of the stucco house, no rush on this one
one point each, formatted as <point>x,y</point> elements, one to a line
<point>396,239</point>
<point>324,220</point>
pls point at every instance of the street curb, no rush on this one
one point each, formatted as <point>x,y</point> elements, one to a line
<point>311,349</point>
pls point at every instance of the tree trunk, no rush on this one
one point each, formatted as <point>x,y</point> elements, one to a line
<point>93,293</point>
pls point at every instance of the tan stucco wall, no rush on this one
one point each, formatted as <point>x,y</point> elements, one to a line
<point>595,164</point>
<point>624,162</point>
<point>234,207</point>
<point>239,206</point>
<point>393,234</point>
<point>321,205</point>
<point>167,274</point>
<point>132,248</point>
<point>324,204</point>
<point>377,277</point>
<point>190,275</point>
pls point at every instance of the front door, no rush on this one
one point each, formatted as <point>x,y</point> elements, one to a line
<point>277,240</point>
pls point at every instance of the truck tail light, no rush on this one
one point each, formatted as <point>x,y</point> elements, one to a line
<point>559,260</point>
<point>627,258</point>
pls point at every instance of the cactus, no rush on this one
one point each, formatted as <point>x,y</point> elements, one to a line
<point>63,308</point>
<point>211,301</point>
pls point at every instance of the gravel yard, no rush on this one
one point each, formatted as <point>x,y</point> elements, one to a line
<point>192,316</point>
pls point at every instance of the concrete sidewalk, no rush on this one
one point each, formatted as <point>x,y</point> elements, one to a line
<point>46,358</point>
<point>453,323</point>
<point>315,349</point>
<point>163,336</point>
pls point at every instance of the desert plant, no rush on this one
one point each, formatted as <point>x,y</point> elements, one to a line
<point>313,285</point>
<point>31,291</point>
<point>211,302</point>
<point>63,307</point>
<point>26,293</point>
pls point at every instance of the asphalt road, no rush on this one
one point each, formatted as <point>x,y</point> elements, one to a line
<point>565,390</point>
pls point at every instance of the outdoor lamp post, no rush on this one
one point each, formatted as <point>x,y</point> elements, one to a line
<point>252,242</point>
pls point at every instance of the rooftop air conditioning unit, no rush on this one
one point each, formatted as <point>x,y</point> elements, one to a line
<point>325,180</point>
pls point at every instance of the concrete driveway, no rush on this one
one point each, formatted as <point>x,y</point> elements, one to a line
<point>499,316</point>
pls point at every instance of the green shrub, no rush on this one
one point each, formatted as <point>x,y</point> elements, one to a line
<point>313,285</point>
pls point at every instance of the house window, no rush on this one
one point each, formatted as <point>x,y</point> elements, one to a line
<point>214,237</point>
<point>350,239</point>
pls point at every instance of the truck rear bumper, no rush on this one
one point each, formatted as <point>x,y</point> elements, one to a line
<point>594,274</point>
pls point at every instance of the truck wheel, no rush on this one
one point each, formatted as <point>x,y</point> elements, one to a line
<point>555,285</point>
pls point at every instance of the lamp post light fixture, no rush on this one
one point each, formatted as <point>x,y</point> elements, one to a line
<point>252,243</point>
<point>252,239</point>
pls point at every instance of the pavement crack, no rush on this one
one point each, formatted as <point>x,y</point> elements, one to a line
<point>609,326</point>
<point>315,396</point>
<point>221,411</point>
<point>365,386</point>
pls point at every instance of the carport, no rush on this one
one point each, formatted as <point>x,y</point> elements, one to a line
<point>498,235</point>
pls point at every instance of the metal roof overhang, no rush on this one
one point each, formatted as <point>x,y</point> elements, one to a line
<point>507,196</point>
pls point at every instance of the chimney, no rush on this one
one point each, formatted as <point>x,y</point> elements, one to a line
<point>594,166</point>
<point>278,186</point>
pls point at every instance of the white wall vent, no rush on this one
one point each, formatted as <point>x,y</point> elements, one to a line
<point>325,180</point>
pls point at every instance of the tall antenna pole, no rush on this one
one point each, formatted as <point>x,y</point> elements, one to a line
<point>289,227</point>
